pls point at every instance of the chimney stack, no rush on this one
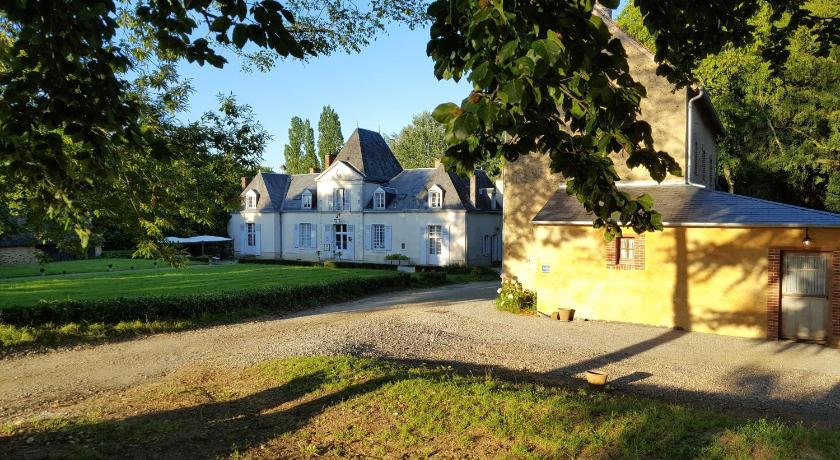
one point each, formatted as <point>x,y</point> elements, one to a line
<point>314,170</point>
<point>474,190</point>
<point>437,163</point>
<point>246,181</point>
<point>329,160</point>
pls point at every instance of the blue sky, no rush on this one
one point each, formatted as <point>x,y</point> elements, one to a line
<point>378,89</point>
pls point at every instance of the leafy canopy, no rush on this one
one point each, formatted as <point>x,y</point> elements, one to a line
<point>548,78</point>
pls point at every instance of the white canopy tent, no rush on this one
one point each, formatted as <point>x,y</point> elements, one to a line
<point>200,239</point>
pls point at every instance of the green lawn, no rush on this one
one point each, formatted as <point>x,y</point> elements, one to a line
<point>78,266</point>
<point>340,407</point>
<point>191,280</point>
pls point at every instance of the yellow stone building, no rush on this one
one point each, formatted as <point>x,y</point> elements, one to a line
<point>724,263</point>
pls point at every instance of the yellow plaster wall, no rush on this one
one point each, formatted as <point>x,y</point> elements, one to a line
<point>698,279</point>
<point>528,182</point>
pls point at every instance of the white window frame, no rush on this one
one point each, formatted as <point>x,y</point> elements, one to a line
<point>251,231</point>
<point>626,249</point>
<point>305,235</point>
<point>435,246</point>
<point>251,199</point>
<point>435,198</point>
<point>379,199</point>
<point>306,200</point>
<point>338,204</point>
<point>377,236</point>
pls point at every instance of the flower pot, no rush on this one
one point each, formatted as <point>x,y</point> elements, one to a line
<point>596,378</point>
<point>565,314</point>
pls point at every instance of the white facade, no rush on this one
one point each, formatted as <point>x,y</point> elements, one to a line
<point>427,215</point>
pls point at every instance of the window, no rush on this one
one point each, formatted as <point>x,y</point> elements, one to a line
<point>252,234</point>
<point>306,236</point>
<point>338,199</point>
<point>626,250</point>
<point>435,199</point>
<point>306,200</point>
<point>435,241</point>
<point>379,200</point>
<point>378,231</point>
<point>485,250</point>
<point>250,202</point>
<point>341,236</point>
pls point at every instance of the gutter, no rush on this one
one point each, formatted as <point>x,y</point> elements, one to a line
<point>689,149</point>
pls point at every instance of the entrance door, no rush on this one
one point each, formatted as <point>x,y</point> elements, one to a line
<point>343,241</point>
<point>804,295</point>
<point>434,247</point>
<point>252,239</point>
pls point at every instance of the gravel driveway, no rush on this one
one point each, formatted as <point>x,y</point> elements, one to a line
<point>459,325</point>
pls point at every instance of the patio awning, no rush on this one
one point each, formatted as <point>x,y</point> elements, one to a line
<point>200,239</point>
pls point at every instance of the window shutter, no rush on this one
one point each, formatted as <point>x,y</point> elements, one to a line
<point>258,240</point>
<point>297,235</point>
<point>444,243</point>
<point>242,238</point>
<point>330,199</point>
<point>328,237</point>
<point>424,246</point>
<point>368,237</point>
<point>313,234</point>
<point>387,237</point>
<point>347,199</point>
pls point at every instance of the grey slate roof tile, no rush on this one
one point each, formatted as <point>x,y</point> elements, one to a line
<point>370,154</point>
<point>271,188</point>
<point>299,183</point>
<point>689,205</point>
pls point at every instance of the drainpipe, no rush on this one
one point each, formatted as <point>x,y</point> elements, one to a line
<point>690,145</point>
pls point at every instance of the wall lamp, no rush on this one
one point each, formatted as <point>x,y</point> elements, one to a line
<point>807,240</point>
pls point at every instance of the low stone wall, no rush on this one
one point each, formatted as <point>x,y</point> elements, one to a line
<point>18,255</point>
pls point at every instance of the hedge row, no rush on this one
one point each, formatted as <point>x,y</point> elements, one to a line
<point>325,263</point>
<point>273,299</point>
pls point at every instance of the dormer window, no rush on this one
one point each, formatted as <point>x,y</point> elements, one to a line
<point>306,200</point>
<point>379,199</point>
<point>435,197</point>
<point>251,199</point>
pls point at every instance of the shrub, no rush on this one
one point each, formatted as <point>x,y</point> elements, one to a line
<point>271,299</point>
<point>515,298</point>
<point>396,257</point>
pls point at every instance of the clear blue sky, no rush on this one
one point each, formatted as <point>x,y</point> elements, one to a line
<point>378,89</point>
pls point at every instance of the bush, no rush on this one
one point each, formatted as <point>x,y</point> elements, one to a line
<point>273,299</point>
<point>396,257</point>
<point>515,298</point>
<point>325,263</point>
<point>121,254</point>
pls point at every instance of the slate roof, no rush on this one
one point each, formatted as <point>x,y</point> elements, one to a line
<point>271,188</point>
<point>412,190</point>
<point>692,206</point>
<point>299,183</point>
<point>368,152</point>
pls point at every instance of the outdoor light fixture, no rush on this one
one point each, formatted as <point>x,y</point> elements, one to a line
<point>807,240</point>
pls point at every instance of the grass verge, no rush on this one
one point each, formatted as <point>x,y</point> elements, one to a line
<point>338,407</point>
<point>125,317</point>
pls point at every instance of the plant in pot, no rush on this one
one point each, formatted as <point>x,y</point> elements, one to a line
<point>564,314</point>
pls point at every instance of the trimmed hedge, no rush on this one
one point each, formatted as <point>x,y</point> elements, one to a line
<point>325,263</point>
<point>273,299</point>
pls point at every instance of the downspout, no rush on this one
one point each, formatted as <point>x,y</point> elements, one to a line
<point>690,145</point>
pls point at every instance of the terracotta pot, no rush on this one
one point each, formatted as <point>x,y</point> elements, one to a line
<point>565,314</point>
<point>596,378</point>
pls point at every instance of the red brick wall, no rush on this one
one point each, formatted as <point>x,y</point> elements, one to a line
<point>774,292</point>
<point>638,262</point>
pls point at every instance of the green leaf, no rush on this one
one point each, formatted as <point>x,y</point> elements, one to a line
<point>445,112</point>
<point>514,89</point>
<point>220,24</point>
<point>646,201</point>
<point>240,35</point>
<point>465,125</point>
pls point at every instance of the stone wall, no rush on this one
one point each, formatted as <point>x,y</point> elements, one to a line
<point>18,255</point>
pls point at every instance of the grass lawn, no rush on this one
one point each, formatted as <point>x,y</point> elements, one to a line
<point>338,407</point>
<point>191,280</point>
<point>78,266</point>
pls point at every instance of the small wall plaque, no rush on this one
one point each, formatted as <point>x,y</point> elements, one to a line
<point>546,268</point>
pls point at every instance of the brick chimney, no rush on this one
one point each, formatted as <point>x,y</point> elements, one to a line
<point>329,160</point>
<point>246,181</point>
<point>437,163</point>
<point>314,170</point>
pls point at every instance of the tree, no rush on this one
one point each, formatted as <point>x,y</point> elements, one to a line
<point>293,150</point>
<point>548,78</point>
<point>419,143</point>
<point>67,106</point>
<point>330,139</point>
<point>782,139</point>
<point>310,158</point>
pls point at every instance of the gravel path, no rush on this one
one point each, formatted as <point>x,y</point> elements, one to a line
<point>458,325</point>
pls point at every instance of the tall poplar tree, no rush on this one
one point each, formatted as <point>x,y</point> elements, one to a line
<point>293,151</point>
<point>310,158</point>
<point>330,139</point>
